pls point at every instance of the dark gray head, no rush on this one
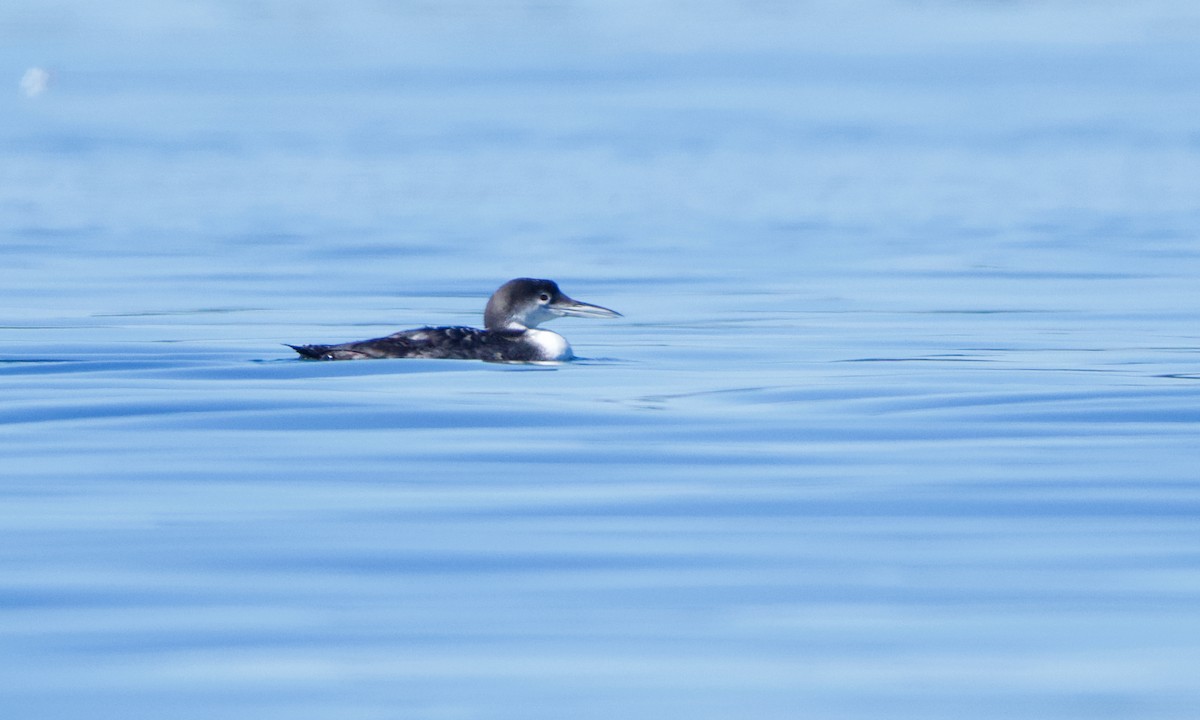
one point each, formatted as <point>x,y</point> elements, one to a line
<point>526,302</point>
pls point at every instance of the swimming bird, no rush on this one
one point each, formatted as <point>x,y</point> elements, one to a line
<point>510,331</point>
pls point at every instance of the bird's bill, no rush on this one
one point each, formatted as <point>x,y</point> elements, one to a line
<point>574,308</point>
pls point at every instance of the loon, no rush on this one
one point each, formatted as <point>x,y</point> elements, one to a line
<point>510,331</point>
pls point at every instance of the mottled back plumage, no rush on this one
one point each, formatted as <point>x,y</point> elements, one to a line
<point>447,343</point>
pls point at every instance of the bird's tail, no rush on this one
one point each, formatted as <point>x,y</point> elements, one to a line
<point>312,352</point>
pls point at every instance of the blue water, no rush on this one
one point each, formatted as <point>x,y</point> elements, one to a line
<point>903,420</point>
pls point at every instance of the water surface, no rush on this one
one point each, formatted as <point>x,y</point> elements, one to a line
<point>902,419</point>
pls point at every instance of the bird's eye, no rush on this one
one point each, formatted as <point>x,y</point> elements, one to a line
<point>544,297</point>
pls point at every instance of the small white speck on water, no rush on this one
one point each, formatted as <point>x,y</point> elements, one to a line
<point>34,82</point>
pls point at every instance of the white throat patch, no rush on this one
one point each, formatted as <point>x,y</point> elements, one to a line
<point>551,345</point>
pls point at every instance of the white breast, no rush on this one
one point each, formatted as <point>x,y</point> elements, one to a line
<point>551,345</point>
